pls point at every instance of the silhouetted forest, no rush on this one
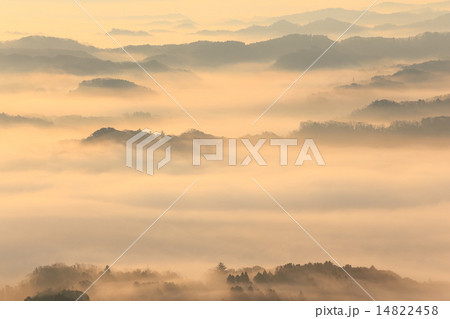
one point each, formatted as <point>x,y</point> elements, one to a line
<point>312,281</point>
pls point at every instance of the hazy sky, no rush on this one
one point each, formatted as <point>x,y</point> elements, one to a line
<point>65,19</point>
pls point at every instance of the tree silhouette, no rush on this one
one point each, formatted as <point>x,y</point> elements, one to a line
<point>221,267</point>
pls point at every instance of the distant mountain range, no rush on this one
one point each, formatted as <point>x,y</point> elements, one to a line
<point>409,76</point>
<point>343,132</point>
<point>331,26</point>
<point>284,27</point>
<point>292,52</point>
<point>370,18</point>
<point>388,110</point>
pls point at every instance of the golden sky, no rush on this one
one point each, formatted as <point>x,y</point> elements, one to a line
<point>64,19</point>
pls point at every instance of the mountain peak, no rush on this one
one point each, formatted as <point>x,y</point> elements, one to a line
<point>44,43</point>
